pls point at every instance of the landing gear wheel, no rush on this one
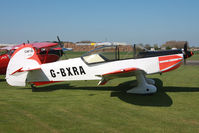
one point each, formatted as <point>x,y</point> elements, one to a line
<point>150,81</point>
<point>34,89</point>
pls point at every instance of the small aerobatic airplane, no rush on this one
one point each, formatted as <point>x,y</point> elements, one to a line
<point>46,51</point>
<point>104,63</point>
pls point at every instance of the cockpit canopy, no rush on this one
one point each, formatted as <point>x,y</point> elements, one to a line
<point>113,53</point>
<point>108,53</point>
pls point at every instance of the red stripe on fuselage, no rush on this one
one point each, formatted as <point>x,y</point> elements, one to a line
<point>172,68</point>
<point>168,64</point>
<point>165,62</point>
<point>169,57</point>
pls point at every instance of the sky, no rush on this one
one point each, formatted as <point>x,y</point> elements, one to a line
<point>131,21</point>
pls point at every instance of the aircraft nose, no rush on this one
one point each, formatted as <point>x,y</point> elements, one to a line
<point>192,53</point>
<point>188,54</point>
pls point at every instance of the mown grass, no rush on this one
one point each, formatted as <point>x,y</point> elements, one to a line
<point>81,106</point>
<point>194,57</point>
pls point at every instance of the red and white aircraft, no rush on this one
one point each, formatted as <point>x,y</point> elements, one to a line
<point>46,51</point>
<point>104,63</point>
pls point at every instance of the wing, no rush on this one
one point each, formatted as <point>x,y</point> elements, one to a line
<point>12,47</point>
<point>37,45</point>
<point>44,44</point>
<point>127,72</point>
<point>7,48</point>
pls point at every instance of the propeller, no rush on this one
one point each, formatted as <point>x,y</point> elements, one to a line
<point>134,51</point>
<point>187,53</point>
<point>60,43</point>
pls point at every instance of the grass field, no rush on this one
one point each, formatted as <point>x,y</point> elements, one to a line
<point>81,106</point>
<point>195,57</point>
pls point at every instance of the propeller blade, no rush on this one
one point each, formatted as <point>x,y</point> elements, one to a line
<point>58,39</point>
<point>187,53</point>
<point>134,51</point>
<point>185,48</point>
<point>61,45</point>
<point>185,62</point>
<point>59,42</point>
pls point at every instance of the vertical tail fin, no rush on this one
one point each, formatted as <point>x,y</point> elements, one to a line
<point>23,60</point>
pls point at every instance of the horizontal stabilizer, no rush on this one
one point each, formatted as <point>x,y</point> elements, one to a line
<point>23,70</point>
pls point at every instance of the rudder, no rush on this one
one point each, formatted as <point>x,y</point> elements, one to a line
<point>24,59</point>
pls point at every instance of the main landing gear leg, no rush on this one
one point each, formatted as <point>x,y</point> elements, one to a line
<point>145,86</point>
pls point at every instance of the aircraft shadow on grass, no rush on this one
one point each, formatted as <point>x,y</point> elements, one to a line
<point>158,99</point>
<point>2,80</point>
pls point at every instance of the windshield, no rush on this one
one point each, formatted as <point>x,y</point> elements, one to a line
<point>101,54</point>
<point>112,53</point>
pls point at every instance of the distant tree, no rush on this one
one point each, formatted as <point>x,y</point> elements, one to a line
<point>141,44</point>
<point>167,47</point>
<point>139,47</point>
<point>147,46</point>
<point>156,46</point>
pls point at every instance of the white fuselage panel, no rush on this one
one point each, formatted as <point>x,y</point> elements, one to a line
<point>77,69</point>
